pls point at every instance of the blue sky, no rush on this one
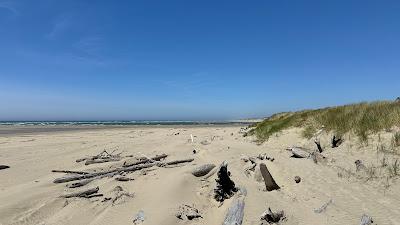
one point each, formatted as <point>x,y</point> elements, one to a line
<point>144,59</point>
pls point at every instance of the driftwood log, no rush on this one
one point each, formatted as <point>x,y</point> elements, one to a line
<point>202,170</point>
<point>319,146</point>
<point>69,171</point>
<point>146,160</point>
<point>225,186</point>
<point>82,194</point>
<point>235,213</point>
<point>117,170</point>
<point>299,152</point>
<point>87,181</point>
<point>2,167</point>
<point>269,181</point>
<point>366,220</point>
<point>94,161</point>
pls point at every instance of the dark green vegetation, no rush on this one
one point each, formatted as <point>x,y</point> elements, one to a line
<point>362,119</point>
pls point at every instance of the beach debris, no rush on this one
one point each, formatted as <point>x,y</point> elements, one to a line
<point>187,212</point>
<point>272,217</point>
<point>336,141</point>
<point>263,156</point>
<point>84,194</point>
<point>102,157</point>
<point>120,195</point>
<point>2,167</point>
<point>323,207</point>
<point>191,138</point>
<point>210,174</point>
<point>298,152</point>
<point>115,171</point>
<point>87,181</point>
<point>176,134</point>
<point>225,186</point>
<point>143,160</point>
<point>235,213</point>
<point>69,171</point>
<point>139,218</point>
<point>122,178</point>
<point>194,151</point>
<point>269,181</point>
<point>366,220</point>
<point>318,146</point>
<point>297,179</point>
<point>360,166</point>
<point>203,170</point>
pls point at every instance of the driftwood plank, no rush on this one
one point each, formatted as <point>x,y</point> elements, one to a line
<point>299,152</point>
<point>69,171</point>
<point>202,170</point>
<point>235,213</point>
<point>269,181</point>
<point>83,194</point>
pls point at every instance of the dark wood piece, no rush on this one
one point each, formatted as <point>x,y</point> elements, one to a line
<point>269,181</point>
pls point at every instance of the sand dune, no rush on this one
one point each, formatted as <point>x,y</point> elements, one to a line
<point>29,196</point>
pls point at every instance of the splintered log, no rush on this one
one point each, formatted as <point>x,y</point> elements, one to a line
<point>269,181</point>
<point>82,194</point>
<point>366,220</point>
<point>2,167</point>
<point>235,213</point>
<point>146,160</point>
<point>272,217</point>
<point>299,152</point>
<point>203,170</point>
<point>319,146</point>
<point>69,171</point>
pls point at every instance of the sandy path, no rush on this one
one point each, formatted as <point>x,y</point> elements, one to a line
<point>28,196</point>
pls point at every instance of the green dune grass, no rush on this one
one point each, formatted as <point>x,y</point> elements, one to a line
<point>361,119</point>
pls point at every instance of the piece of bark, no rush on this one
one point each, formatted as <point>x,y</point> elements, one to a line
<point>69,171</point>
<point>269,181</point>
<point>366,220</point>
<point>235,213</point>
<point>146,160</point>
<point>299,152</point>
<point>2,167</point>
<point>83,194</point>
<point>202,170</point>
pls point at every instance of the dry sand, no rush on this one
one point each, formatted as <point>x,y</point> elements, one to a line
<point>29,196</point>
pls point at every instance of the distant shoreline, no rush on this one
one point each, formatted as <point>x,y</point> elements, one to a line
<point>12,130</point>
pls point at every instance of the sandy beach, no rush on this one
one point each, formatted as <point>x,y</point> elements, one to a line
<point>29,196</point>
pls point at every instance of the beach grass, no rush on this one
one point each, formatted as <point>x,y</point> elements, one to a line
<point>361,119</point>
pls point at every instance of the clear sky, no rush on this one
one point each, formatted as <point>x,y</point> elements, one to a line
<point>192,59</point>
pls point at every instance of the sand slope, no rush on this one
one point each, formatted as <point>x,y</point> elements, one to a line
<point>29,196</point>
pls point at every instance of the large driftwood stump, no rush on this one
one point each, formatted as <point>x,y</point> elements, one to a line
<point>83,194</point>
<point>235,213</point>
<point>336,142</point>
<point>366,220</point>
<point>225,186</point>
<point>202,170</point>
<point>2,167</point>
<point>269,181</point>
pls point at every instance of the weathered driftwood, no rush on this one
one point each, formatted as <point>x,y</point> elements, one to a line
<point>117,170</point>
<point>366,220</point>
<point>94,161</point>
<point>82,194</point>
<point>323,207</point>
<point>123,179</point>
<point>2,167</point>
<point>272,217</point>
<point>235,213</point>
<point>69,171</point>
<point>269,181</point>
<point>211,173</point>
<point>146,160</point>
<point>299,152</point>
<point>202,170</point>
<point>87,181</point>
<point>319,146</point>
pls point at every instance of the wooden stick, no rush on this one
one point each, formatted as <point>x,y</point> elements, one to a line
<point>94,161</point>
<point>69,171</point>
<point>2,167</point>
<point>146,160</point>
<point>85,193</point>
